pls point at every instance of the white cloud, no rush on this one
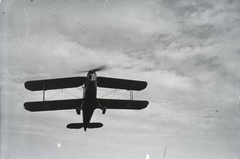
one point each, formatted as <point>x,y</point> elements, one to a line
<point>186,51</point>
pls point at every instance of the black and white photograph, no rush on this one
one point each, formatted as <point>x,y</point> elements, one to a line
<point>119,79</point>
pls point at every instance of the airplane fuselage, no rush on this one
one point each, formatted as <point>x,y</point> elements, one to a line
<point>89,98</point>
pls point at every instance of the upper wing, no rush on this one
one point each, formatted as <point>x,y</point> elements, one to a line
<point>55,83</point>
<point>121,83</point>
<point>52,105</point>
<point>123,104</point>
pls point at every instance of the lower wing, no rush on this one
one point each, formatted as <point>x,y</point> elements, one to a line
<point>53,105</point>
<point>123,104</point>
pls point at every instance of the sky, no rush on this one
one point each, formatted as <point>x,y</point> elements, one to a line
<point>187,51</point>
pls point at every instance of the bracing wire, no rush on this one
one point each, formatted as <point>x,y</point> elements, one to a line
<point>114,91</point>
<point>62,91</point>
<point>69,93</point>
<point>123,94</point>
<point>73,95</point>
<point>111,92</point>
<point>58,91</point>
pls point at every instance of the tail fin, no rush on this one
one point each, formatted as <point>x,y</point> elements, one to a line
<point>81,125</point>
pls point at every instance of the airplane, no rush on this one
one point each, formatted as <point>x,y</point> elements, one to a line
<point>89,102</point>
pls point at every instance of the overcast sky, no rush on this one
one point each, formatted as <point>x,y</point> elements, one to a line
<point>187,51</point>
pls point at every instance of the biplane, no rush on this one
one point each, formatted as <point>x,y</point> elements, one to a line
<point>89,102</point>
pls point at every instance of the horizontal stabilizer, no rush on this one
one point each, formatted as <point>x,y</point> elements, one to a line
<point>81,125</point>
<point>123,104</point>
<point>121,83</point>
<point>53,105</point>
<point>58,83</point>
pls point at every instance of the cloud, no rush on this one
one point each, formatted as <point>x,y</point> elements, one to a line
<point>187,52</point>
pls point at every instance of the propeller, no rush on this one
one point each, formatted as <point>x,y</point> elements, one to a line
<point>101,68</point>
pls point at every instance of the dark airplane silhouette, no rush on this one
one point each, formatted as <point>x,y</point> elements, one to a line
<point>89,102</point>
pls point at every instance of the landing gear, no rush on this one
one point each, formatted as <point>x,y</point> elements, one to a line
<point>78,110</point>
<point>104,110</point>
<point>101,107</point>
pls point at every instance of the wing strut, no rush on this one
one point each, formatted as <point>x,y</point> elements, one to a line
<point>43,92</point>
<point>131,92</point>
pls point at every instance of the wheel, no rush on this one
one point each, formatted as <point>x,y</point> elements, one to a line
<point>78,110</point>
<point>104,110</point>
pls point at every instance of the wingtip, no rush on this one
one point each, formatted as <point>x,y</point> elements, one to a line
<point>26,107</point>
<point>26,85</point>
<point>146,104</point>
<point>146,84</point>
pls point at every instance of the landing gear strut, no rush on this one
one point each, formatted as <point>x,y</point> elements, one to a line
<point>101,107</point>
<point>104,110</point>
<point>78,110</point>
